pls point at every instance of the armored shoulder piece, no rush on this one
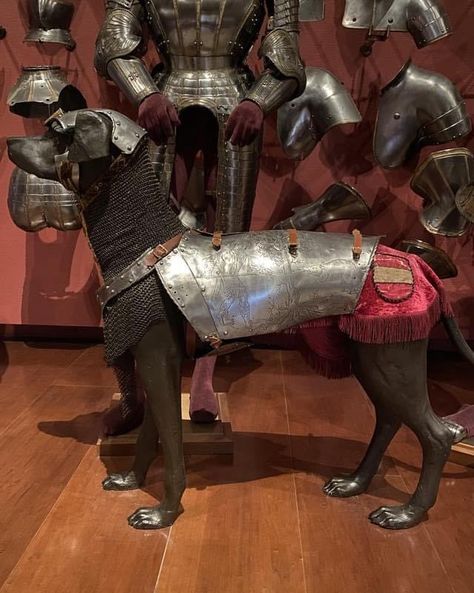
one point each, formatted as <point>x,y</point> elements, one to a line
<point>426,20</point>
<point>284,75</point>
<point>126,134</point>
<point>119,47</point>
<point>418,108</point>
<point>41,90</point>
<point>437,180</point>
<point>303,121</point>
<point>49,22</point>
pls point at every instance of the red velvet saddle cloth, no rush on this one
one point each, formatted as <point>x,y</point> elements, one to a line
<point>401,301</point>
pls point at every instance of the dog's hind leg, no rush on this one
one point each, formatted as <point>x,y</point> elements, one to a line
<point>395,377</point>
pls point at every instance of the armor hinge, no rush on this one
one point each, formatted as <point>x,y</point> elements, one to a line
<point>371,37</point>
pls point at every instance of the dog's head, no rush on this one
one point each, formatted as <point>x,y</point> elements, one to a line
<point>83,143</point>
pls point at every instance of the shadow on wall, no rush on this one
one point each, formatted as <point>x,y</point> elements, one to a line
<point>48,266</point>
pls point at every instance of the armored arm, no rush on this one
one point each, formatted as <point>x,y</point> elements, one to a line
<point>283,77</point>
<point>119,47</point>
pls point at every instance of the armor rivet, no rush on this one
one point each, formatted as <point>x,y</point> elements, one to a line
<point>396,116</point>
<point>206,337</point>
<point>203,289</point>
<point>170,286</point>
<point>130,280</point>
<point>106,287</point>
<point>137,134</point>
<point>115,137</point>
<point>121,277</point>
<point>112,291</point>
<point>390,21</point>
<point>225,333</point>
<point>118,123</point>
<point>129,148</point>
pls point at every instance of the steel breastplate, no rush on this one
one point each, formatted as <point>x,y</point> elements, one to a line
<point>437,180</point>
<point>253,285</point>
<point>204,27</point>
<point>418,108</point>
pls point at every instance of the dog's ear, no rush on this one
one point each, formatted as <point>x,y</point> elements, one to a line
<point>92,137</point>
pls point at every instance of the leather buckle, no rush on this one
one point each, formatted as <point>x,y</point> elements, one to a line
<point>357,244</point>
<point>293,241</point>
<point>157,253</point>
<point>217,240</point>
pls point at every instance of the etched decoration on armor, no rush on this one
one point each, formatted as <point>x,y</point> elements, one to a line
<point>255,284</point>
<point>41,90</point>
<point>311,10</point>
<point>465,201</point>
<point>36,204</point>
<point>392,277</point>
<point>303,121</point>
<point>417,108</point>
<point>426,20</point>
<point>437,180</point>
<point>49,22</point>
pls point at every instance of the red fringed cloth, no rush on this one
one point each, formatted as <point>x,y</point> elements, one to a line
<point>401,301</point>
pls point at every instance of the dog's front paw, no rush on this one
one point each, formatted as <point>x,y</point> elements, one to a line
<point>398,517</point>
<point>344,486</point>
<point>153,517</point>
<point>123,481</point>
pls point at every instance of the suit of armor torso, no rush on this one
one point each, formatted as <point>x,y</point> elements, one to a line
<point>203,46</point>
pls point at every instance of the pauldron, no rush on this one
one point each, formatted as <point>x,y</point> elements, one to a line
<point>426,20</point>
<point>437,180</point>
<point>303,121</point>
<point>49,22</point>
<point>257,284</point>
<point>418,108</point>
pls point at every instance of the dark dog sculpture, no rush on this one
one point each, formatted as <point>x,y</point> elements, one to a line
<point>87,152</point>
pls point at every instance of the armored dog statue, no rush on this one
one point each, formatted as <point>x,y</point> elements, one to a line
<point>266,281</point>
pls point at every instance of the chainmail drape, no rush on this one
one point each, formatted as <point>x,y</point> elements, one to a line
<point>129,215</point>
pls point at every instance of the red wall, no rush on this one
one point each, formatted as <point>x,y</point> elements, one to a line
<point>49,278</point>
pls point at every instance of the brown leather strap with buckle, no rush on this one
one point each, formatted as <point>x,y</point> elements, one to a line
<point>217,240</point>
<point>293,241</point>
<point>357,245</point>
<point>137,270</point>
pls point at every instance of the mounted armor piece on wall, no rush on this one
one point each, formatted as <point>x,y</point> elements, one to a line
<point>465,201</point>
<point>35,204</point>
<point>42,90</point>
<point>437,180</point>
<point>311,10</point>
<point>324,103</point>
<point>426,20</point>
<point>339,202</point>
<point>49,22</point>
<point>417,108</point>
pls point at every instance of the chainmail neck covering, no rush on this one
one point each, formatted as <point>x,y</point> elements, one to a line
<point>129,215</point>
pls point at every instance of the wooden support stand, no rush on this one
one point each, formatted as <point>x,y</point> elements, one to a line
<point>463,453</point>
<point>199,439</point>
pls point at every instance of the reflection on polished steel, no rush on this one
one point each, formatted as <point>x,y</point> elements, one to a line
<point>438,260</point>
<point>203,47</point>
<point>426,20</point>
<point>465,201</point>
<point>339,202</point>
<point>437,180</point>
<point>417,108</point>
<point>255,285</point>
<point>303,121</point>
<point>311,10</point>
<point>41,90</point>
<point>126,134</point>
<point>49,22</point>
<point>36,204</point>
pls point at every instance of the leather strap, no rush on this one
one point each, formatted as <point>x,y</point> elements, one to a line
<point>357,245</point>
<point>138,269</point>
<point>293,241</point>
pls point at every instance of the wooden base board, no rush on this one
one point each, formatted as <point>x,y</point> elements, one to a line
<point>199,439</point>
<point>463,453</point>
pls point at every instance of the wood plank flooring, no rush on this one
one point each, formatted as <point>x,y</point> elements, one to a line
<point>258,525</point>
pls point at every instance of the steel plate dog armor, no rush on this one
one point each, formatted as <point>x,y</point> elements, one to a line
<point>203,46</point>
<point>49,22</point>
<point>426,20</point>
<point>41,90</point>
<point>36,204</point>
<point>437,180</point>
<point>416,109</point>
<point>254,284</point>
<point>303,121</point>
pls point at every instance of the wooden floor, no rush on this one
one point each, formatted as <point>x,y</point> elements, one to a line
<point>259,525</point>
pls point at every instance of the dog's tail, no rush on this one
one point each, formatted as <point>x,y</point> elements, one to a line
<point>457,338</point>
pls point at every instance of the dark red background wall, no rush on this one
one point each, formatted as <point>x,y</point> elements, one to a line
<point>49,278</point>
